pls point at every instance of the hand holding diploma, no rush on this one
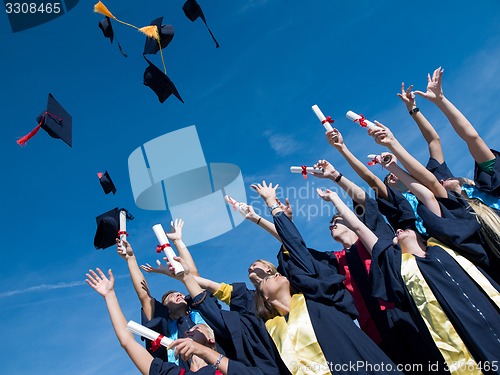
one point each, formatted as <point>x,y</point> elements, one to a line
<point>305,170</point>
<point>122,233</point>
<point>236,205</point>
<point>326,121</point>
<point>156,338</point>
<point>167,249</point>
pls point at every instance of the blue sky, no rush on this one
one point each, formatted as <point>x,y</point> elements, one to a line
<point>251,102</point>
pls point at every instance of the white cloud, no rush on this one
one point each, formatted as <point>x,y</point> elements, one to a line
<point>283,144</point>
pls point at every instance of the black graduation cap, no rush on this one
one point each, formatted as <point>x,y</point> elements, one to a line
<point>108,225</point>
<point>107,30</point>
<point>107,183</point>
<point>55,121</point>
<point>159,82</point>
<point>192,10</point>
<point>166,35</point>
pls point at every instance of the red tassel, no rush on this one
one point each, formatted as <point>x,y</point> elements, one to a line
<point>99,175</point>
<point>22,141</point>
<point>304,172</point>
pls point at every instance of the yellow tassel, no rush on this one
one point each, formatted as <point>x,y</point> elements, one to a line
<point>101,8</point>
<point>150,31</point>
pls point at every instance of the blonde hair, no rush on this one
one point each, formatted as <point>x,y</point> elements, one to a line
<point>490,224</point>
<point>272,267</point>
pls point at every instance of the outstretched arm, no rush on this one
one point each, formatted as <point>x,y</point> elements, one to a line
<point>383,136</point>
<point>105,287</point>
<point>138,280</point>
<point>335,139</point>
<point>367,237</point>
<point>354,191</point>
<point>477,147</point>
<point>260,221</point>
<point>430,134</point>
<point>422,193</point>
<point>176,236</point>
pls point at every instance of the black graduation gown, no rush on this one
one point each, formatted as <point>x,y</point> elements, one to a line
<point>489,183</point>
<point>330,306</point>
<point>440,170</point>
<point>456,292</point>
<point>242,336</point>
<point>158,323</point>
<point>158,367</point>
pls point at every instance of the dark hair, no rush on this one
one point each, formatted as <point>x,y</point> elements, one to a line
<point>336,216</point>
<point>263,308</point>
<point>386,178</point>
<point>164,297</point>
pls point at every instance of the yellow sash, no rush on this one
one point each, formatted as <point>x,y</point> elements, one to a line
<point>449,343</point>
<point>296,340</point>
<point>224,293</point>
<point>471,269</point>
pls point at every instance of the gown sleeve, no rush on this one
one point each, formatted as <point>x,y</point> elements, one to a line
<point>487,182</point>
<point>440,170</point>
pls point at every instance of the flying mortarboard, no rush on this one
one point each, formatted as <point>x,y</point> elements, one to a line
<point>55,121</point>
<point>108,225</point>
<point>192,10</point>
<point>159,82</point>
<point>107,183</point>
<point>166,33</point>
<point>107,30</point>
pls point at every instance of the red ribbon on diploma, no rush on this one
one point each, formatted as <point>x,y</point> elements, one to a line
<point>159,248</point>
<point>361,121</point>
<point>120,232</point>
<point>328,119</point>
<point>373,162</point>
<point>155,344</point>
<point>304,172</point>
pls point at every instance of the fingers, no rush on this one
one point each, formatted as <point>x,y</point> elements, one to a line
<point>110,275</point>
<point>157,262</point>
<point>287,202</point>
<point>419,93</point>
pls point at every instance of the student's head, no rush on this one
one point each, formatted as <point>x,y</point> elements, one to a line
<point>260,269</point>
<point>175,301</point>
<point>406,238</point>
<point>393,181</point>
<point>455,183</point>
<point>268,293</point>
<point>338,229</point>
<point>202,334</point>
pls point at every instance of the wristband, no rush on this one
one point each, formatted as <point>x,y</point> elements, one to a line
<point>337,179</point>
<point>273,207</point>
<point>414,110</point>
<point>217,363</point>
<point>258,221</point>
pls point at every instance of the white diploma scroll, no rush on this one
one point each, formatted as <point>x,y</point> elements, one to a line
<point>236,205</point>
<point>123,229</point>
<point>360,120</point>
<point>310,170</point>
<point>322,118</point>
<point>140,330</point>
<point>167,249</point>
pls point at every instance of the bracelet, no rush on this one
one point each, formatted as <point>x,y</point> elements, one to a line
<point>201,300</point>
<point>258,221</point>
<point>273,207</point>
<point>337,179</point>
<point>217,363</point>
<point>414,110</point>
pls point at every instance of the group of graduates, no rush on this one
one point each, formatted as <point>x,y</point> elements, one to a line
<point>414,290</point>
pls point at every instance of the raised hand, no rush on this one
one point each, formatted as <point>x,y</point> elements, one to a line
<point>186,348</point>
<point>434,91</point>
<point>334,138</point>
<point>329,170</point>
<point>382,135</point>
<point>251,214</point>
<point>176,230</point>
<point>407,96</point>
<point>171,269</point>
<point>99,282</point>
<point>126,246</point>
<point>327,195</point>
<point>287,209</point>
<point>160,269</point>
<point>267,192</point>
<point>386,159</point>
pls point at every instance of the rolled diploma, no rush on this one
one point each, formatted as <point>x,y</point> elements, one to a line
<point>236,204</point>
<point>123,228</point>
<point>140,330</point>
<point>162,239</point>
<point>371,156</point>
<point>295,169</point>
<point>322,118</point>
<point>354,117</point>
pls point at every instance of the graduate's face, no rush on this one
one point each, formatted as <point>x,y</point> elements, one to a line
<point>452,184</point>
<point>272,286</point>
<point>258,271</point>
<point>338,228</point>
<point>404,236</point>
<point>200,334</point>
<point>174,300</point>
<point>393,181</point>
